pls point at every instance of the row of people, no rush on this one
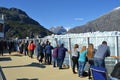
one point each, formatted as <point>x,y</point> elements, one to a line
<point>58,54</point>
<point>79,57</point>
<point>44,52</point>
<point>6,46</point>
<point>90,54</point>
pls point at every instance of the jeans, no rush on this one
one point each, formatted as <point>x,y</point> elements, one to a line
<point>49,58</point>
<point>99,62</point>
<point>60,62</point>
<point>55,61</point>
<point>38,55</point>
<point>26,52</point>
<point>41,58</point>
<point>81,68</point>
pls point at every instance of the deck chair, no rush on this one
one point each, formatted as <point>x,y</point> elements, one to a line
<point>99,73</point>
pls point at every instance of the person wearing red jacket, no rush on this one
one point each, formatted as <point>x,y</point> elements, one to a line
<point>32,48</point>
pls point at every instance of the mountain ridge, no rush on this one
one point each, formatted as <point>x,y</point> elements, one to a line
<point>107,22</point>
<point>19,24</point>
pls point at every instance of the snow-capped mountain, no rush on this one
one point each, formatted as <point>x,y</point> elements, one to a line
<point>117,8</point>
<point>107,22</point>
<point>58,30</point>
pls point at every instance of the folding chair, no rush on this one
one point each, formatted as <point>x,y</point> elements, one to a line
<point>99,73</point>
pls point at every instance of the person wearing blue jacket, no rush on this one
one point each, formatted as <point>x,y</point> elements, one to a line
<point>40,54</point>
<point>102,52</point>
<point>61,55</point>
<point>48,50</point>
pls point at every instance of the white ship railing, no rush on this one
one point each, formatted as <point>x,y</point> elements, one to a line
<point>69,40</point>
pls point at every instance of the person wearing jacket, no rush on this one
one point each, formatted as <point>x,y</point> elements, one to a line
<point>55,55</point>
<point>48,50</point>
<point>61,55</point>
<point>115,75</point>
<point>32,48</point>
<point>102,52</point>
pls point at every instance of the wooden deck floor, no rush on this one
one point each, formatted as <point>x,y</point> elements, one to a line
<point>20,67</point>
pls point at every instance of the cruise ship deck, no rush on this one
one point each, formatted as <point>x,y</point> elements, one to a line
<point>19,67</point>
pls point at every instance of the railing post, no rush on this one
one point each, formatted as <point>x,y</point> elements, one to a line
<point>116,48</point>
<point>88,40</point>
<point>69,48</point>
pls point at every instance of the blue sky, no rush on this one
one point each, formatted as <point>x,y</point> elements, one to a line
<point>66,13</point>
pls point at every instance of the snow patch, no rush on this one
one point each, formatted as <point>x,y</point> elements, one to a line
<point>117,8</point>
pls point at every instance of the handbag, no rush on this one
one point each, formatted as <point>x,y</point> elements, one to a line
<point>86,59</point>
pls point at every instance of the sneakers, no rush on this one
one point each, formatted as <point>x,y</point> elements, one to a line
<point>90,78</point>
<point>74,72</point>
<point>81,76</point>
<point>60,68</point>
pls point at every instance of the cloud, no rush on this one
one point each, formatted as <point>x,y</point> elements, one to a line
<point>78,19</point>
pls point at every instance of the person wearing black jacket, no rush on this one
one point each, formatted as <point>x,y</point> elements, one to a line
<point>115,75</point>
